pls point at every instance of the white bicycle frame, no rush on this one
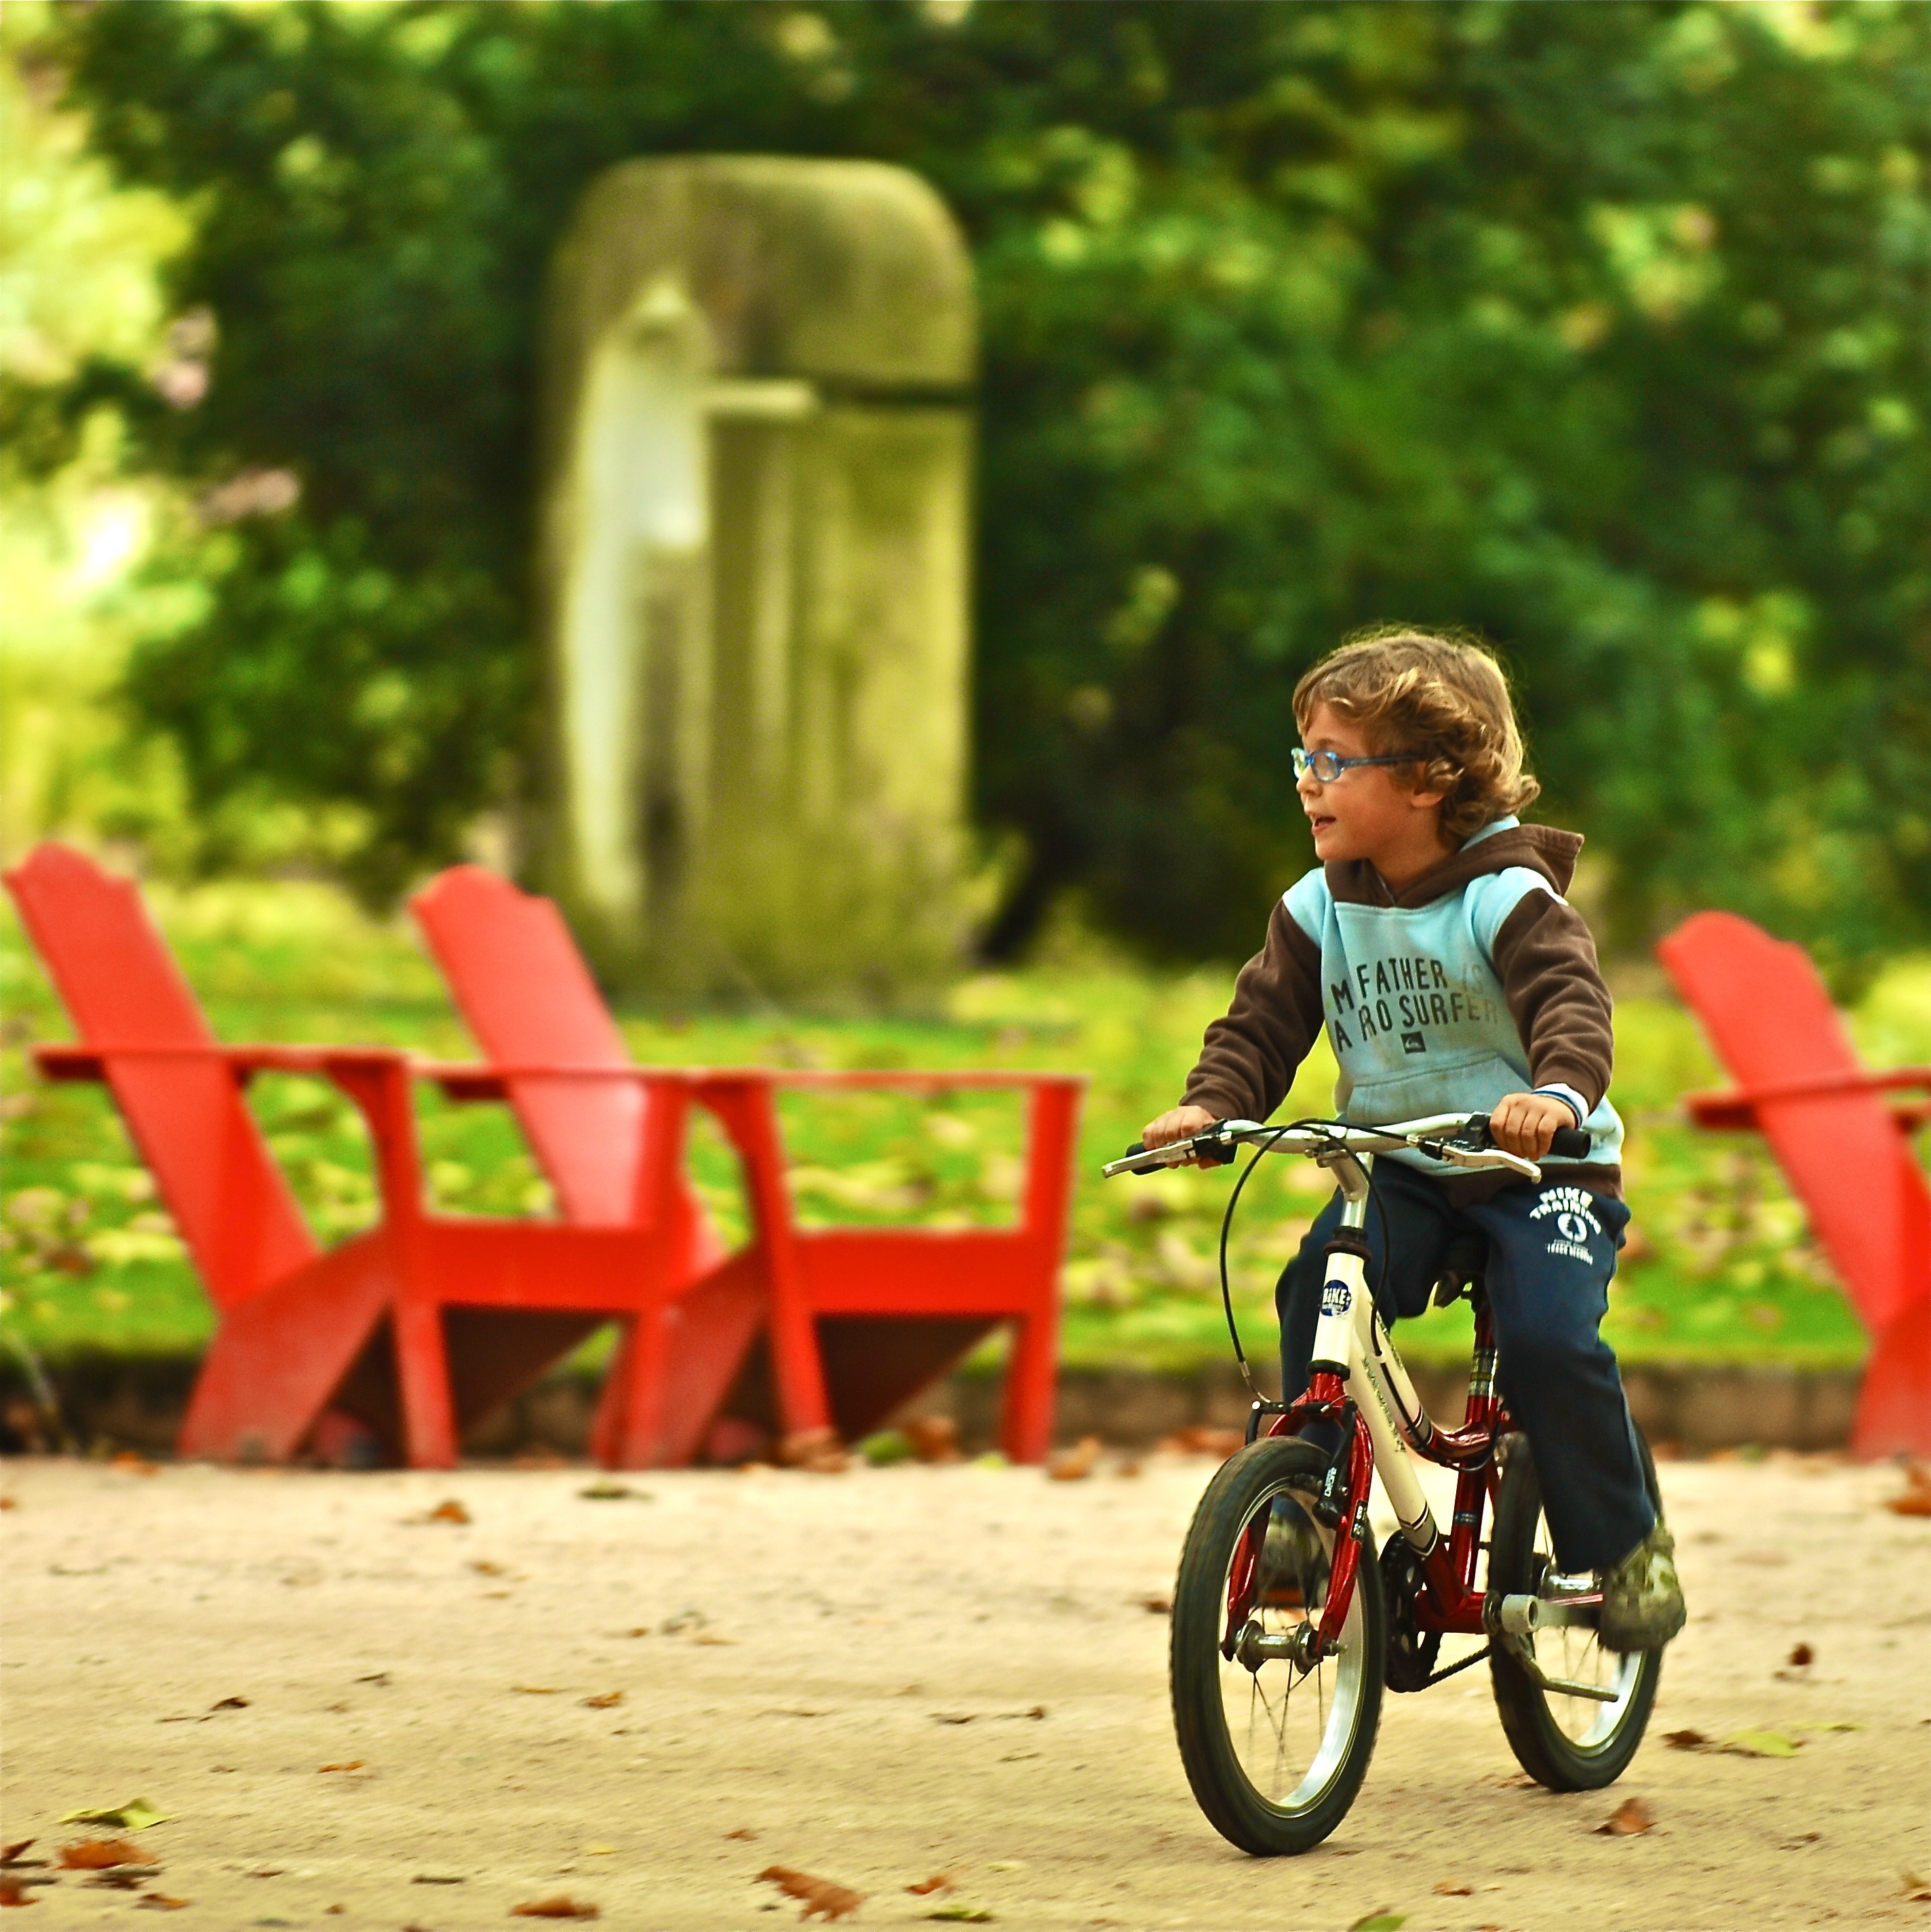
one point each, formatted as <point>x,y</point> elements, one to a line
<point>1350,1337</point>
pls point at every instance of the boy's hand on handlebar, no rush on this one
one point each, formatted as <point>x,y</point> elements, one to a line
<point>1523,1124</point>
<point>1177,1124</point>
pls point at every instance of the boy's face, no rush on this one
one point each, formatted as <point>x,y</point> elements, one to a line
<point>1369,812</point>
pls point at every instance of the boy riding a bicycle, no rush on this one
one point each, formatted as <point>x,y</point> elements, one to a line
<point>1435,945</point>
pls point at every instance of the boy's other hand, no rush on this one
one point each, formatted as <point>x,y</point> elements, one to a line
<point>1523,1124</point>
<point>1177,1124</point>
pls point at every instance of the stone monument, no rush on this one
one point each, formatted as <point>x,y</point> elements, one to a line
<point>754,551</point>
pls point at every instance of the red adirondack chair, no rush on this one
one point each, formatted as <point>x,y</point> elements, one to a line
<point>419,1326</point>
<point>1847,1155</point>
<point>852,1321</point>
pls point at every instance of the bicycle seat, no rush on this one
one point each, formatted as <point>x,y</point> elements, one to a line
<point>1462,1262</point>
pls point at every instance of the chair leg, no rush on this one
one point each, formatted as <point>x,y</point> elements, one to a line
<point>607,1429</point>
<point>1032,1376</point>
<point>1894,1408</point>
<point>639,1433</point>
<point>422,1374</point>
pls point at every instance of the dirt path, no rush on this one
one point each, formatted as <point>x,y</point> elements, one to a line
<point>881,1675</point>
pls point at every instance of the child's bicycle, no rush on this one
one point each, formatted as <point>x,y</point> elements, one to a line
<point>1287,1625</point>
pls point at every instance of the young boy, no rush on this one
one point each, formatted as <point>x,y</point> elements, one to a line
<point>1435,945</point>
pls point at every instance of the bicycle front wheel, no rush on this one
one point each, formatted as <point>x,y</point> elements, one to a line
<point>1566,1742</point>
<point>1275,1749</point>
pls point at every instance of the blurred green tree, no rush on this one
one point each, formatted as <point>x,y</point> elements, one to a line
<point>1601,330</point>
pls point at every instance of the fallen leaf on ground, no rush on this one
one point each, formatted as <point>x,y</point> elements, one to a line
<point>1917,1891</point>
<point>230,1704</point>
<point>1200,1440</point>
<point>483,1567</point>
<point>822,1898</point>
<point>124,1878</point>
<point>1803,1654</point>
<point>608,1701</point>
<point>1761,1743</point>
<point>8,1853</point>
<point>816,1451</point>
<point>9,1502</point>
<point>438,1878</point>
<point>1159,1603</point>
<point>136,1815</point>
<point>1074,1465</point>
<point>450,1511</point>
<point>132,1462</point>
<point>938,1882</point>
<point>536,1690</point>
<point>934,1438</point>
<point>1915,1499</point>
<point>1380,1921</point>
<point>713,1639</point>
<point>158,1901</point>
<point>607,1491</point>
<point>98,1854</point>
<point>744,1832</point>
<point>374,1677</point>
<point>353,1764</point>
<point>1453,1888</point>
<point>562,1906</point>
<point>13,1892</point>
<point>1686,1740</point>
<point>1629,1819</point>
<point>963,1915</point>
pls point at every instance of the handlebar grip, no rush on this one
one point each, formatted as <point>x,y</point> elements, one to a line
<point>1569,1143</point>
<point>1206,1157</point>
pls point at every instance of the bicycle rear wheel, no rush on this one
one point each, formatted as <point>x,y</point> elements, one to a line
<point>1274,1751</point>
<point>1567,1743</point>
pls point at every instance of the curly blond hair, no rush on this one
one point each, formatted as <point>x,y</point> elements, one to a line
<point>1443,697</point>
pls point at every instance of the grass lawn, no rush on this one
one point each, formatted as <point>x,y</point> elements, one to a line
<point>1720,1267</point>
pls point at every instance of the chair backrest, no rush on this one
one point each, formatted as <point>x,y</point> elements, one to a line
<point>1770,1019</point>
<point>523,990</point>
<point>120,987</point>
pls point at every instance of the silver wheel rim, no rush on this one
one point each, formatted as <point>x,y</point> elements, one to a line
<point>1290,1728</point>
<point>1575,1653</point>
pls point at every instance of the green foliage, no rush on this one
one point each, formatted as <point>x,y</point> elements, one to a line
<point>1598,329</point>
<point>1720,1267</point>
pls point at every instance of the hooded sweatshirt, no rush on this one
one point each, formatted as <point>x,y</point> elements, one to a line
<point>1477,980</point>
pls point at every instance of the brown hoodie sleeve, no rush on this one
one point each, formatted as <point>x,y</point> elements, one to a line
<point>1248,1059</point>
<point>1545,957</point>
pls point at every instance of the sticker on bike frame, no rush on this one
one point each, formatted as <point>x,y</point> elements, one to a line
<point>1336,1298</point>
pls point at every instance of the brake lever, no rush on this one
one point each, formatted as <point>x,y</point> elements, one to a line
<point>1480,1158</point>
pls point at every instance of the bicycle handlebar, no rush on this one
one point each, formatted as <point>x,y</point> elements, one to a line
<point>1460,1139</point>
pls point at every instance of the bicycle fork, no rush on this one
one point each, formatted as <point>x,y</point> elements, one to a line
<point>1356,1378</point>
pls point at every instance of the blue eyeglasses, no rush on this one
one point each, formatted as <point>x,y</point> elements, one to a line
<point>1328,766</point>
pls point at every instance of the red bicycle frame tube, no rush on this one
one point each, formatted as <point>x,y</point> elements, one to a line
<point>1449,1600</point>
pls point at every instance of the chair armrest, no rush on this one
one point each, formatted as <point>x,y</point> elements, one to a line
<point>1734,1109</point>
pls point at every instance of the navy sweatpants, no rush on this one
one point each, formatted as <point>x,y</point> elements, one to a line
<point>1551,1251</point>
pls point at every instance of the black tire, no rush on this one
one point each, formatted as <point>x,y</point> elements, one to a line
<point>1274,1785</point>
<point>1568,1744</point>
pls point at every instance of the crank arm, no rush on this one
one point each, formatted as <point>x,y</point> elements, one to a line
<point>1564,1687</point>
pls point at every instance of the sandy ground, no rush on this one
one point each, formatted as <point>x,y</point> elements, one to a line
<point>881,1676</point>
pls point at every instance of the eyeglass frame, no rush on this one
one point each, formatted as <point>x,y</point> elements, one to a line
<point>1305,761</point>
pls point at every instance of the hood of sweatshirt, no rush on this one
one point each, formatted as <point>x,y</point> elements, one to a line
<point>1546,849</point>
